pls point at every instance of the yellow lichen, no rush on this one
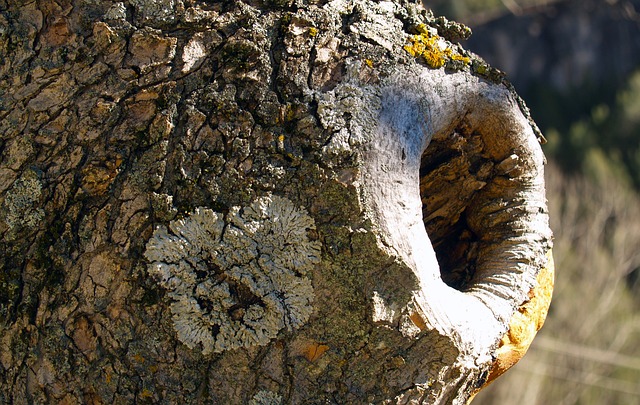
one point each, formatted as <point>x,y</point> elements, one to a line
<point>433,49</point>
<point>313,31</point>
<point>456,56</point>
<point>434,59</point>
<point>146,394</point>
<point>422,29</point>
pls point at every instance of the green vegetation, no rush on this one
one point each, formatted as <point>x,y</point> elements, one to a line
<point>605,143</point>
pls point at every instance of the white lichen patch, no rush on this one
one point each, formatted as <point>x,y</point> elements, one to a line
<point>381,27</point>
<point>382,312</point>
<point>266,398</point>
<point>193,54</point>
<point>118,11</point>
<point>350,111</point>
<point>236,280</point>
<point>155,11</point>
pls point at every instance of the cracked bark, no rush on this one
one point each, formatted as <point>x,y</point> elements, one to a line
<point>117,118</point>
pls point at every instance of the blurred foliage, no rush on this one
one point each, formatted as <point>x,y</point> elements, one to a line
<point>606,140</point>
<point>460,10</point>
<point>466,10</point>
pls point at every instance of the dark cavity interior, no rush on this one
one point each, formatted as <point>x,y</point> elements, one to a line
<point>452,171</point>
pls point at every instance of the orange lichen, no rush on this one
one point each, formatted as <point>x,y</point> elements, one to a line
<point>314,351</point>
<point>525,323</point>
<point>418,321</point>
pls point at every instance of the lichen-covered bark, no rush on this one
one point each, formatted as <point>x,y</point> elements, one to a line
<point>222,202</point>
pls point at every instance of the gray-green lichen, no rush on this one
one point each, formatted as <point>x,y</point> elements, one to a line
<point>236,280</point>
<point>266,398</point>
<point>118,11</point>
<point>155,12</point>
<point>20,209</point>
<point>350,112</point>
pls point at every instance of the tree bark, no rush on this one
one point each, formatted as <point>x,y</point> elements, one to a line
<point>261,202</point>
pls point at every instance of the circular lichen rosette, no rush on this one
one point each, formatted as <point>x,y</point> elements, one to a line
<point>236,280</point>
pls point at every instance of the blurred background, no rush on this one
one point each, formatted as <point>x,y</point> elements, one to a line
<point>577,65</point>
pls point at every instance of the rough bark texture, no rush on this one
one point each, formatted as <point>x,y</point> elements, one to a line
<point>228,202</point>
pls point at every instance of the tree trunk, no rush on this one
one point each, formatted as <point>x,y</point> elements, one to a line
<point>229,202</point>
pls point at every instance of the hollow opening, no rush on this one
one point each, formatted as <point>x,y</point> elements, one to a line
<point>453,170</point>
